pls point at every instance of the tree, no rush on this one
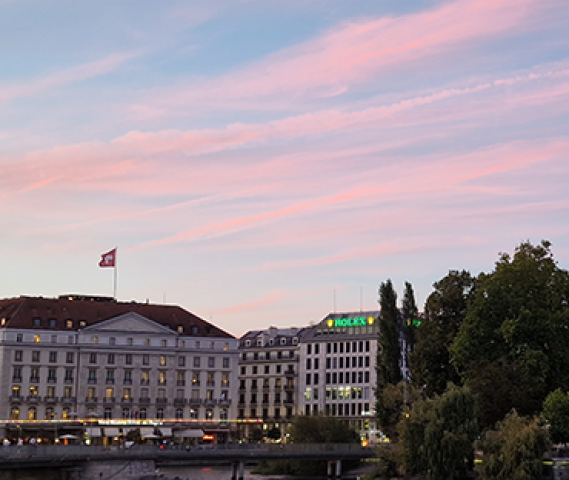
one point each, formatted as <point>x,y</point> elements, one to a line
<point>444,313</point>
<point>516,451</point>
<point>438,436</point>
<point>274,434</point>
<point>410,314</point>
<point>388,352</point>
<point>397,400</point>
<point>556,412</point>
<point>321,429</point>
<point>519,319</point>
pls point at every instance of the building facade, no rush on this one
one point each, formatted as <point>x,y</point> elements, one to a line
<point>268,381</point>
<point>76,357</point>
<point>337,371</point>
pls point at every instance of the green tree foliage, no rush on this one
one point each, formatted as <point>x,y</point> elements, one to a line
<point>398,400</point>
<point>321,429</point>
<point>389,354</point>
<point>444,313</point>
<point>556,412</point>
<point>410,314</point>
<point>312,429</point>
<point>516,451</point>
<point>518,323</point>
<point>438,436</point>
<point>274,434</point>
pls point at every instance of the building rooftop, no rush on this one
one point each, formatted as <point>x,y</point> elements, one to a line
<point>41,313</point>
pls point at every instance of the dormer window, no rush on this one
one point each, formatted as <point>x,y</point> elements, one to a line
<point>68,323</point>
<point>271,341</point>
<point>82,323</point>
<point>180,329</point>
<point>259,342</point>
<point>295,340</point>
<point>52,322</point>
<point>37,322</point>
<point>247,343</point>
<point>283,341</point>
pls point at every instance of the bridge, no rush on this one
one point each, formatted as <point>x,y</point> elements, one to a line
<point>141,459</point>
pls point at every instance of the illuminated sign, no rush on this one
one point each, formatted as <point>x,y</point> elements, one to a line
<point>350,322</point>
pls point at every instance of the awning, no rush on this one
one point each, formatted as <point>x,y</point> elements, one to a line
<point>144,431</point>
<point>112,432</point>
<point>166,432</point>
<point>190,433</point>
<point>94,432</point>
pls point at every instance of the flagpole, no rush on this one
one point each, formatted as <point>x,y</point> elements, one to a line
<point>115,281</point>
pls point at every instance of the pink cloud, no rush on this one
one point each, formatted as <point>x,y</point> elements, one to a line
<point>64,77</point>
<point>358,52</point>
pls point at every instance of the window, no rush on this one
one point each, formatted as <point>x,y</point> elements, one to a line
<point>127,380</point>
<point>195,378</point>
<point>243,370</point>
<point>32,413</point>
<point>15,413</point>
<point>211,362</point>
<point>145,360</point>
<point>179,411</point>
<point>67,392</point>
<point>111,358</point>
<point>68,323</point>
<point>126,393</point>
<point>225,362</point>
<point>126,412</point>
<point>19,338</point>
<point>225,347</point>
<point>160,413</point>
<point>180,378</point>
<point>266,369</point>
<point>161,378</point>
<point>33,391</point>
<point>110,376</point>
<point>162,360</point>
<point>82,323</point>
<point>92,358</point>
<point>37,322</point>
<point>163,343</point>
<point>309,348</point>
<point>144,377</point>
<point>52,357</point>
<point>128,359</point>
<point>196,361</point>
<point>129,342</point>
<point>50,392</point>
<point>112,341</point>
<point>69,357</point>
<point>142,414</point>
<point>16,391</point>
<point>181,361</point>
<point>92,378</point>
<point>180,329</point>
<point>278,367</point>
<point>35,375</point>
<point>108,414</point>
<point>35,356</point>
<point>194,413</point>
<point>91,392</point>
<point>146,342</point>
<point>54,339</point>
<point>52,322</point>
<point>18,356</point>
<point>109,392</point>
<point>94,340</point>
<point>210,379</point>
<point>51,375</point>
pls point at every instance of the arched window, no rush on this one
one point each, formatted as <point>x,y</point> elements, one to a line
<point>108,413</point>
<point>194,413</point>
<point>126,412</point>
<point>160,413</point>
<point>142,414</point>
<point>179,413</point>
<point>208,413</point>
<point>32,413</point>
<point>223,413</point>
<point>49,414</point>
<point>15,413</point>
<point>65,413</point>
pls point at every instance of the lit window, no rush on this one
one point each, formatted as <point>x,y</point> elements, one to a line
<point>36,339</point>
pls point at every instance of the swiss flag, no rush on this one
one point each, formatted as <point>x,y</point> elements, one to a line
<point>108,259</point>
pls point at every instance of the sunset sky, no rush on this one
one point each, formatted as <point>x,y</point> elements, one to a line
<point>263,162</point>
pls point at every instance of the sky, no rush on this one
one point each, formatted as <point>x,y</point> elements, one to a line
<point>264,163</point>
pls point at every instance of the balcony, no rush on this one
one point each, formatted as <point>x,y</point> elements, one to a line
<point>68,399</point>
<point>14,399</point>
<point>16,379</point>
<point>181,383</point>
<point>126,400</point>
<point>289,401</point>
<point>91,400</point>
<point>289,388</point>
<point>109,400</point>
<point>210,384</point>
<point>144,400</point>
<point>33,399</point>
<point>68,380</point>
<point>210,401</point>
<point>110,381</point>
<point>145,382</point>
<point>161,401</point>
<point>34,379</point>
<point>91,380</point>
<point>179,401</point>
<point>50,399</point>
<point>127,381</point>
<point>194,401</point>
<point>225,403</point>
<point>290,373</point>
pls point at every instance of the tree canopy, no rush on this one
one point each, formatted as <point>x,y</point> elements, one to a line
<point>517,324</point>
<point>444,313</point>
<point>556,412</point>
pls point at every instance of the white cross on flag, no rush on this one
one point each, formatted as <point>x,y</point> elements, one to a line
<point>108,259</point>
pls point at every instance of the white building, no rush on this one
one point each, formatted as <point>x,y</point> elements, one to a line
<point>129,364</point>
<point>337,373</point>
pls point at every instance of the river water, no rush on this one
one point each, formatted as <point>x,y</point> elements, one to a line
<point>217,473</point>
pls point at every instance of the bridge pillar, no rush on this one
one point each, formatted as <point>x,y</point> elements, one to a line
<point>237,470</point>
<point>334,469</point>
